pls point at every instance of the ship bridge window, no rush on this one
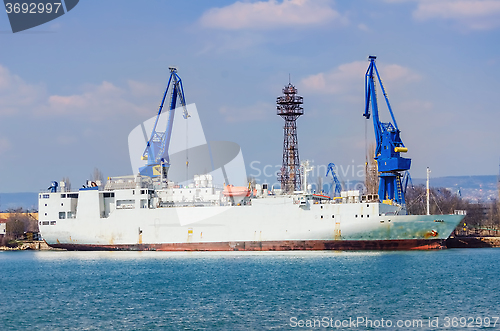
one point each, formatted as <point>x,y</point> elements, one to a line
<point>52,222</point>
<point>109,194</point>
<point>45,223</point>
<point>62,215</point>
<point>73,195</point>
<point>63,196</point>
<point>125,204</point>
<point>45,196</point>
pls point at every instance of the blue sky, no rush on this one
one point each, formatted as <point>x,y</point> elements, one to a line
<point>71,90</point>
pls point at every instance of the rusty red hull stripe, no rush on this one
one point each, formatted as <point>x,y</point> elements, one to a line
<point>317,245</point>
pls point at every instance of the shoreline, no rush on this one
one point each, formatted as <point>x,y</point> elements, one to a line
<point>472,242</point>
<point>38,245</point>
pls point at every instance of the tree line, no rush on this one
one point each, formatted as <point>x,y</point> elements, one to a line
<point>20,225</point>
<point>481,218</point>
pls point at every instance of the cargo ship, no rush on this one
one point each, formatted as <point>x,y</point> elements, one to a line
<point>152,211</point>
<point>129,213</point>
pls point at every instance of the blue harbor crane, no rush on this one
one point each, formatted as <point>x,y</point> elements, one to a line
<point>389,144</point>
<point>338,186</point>
<point>156,152</point>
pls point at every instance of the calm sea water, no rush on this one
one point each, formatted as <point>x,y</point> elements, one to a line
<point>59,290</point>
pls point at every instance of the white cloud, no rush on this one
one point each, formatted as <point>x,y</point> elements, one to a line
<point>349,78</point>
<point>271,14</point>
<point>5,145</point>
<point>66,140</point>
<point>141,89</point>
<point>469,14</point>
<point>95,102</point>
<point>397,73</point>
<point>338,80</point>
<point>363,27</point>
<point>16,93</point>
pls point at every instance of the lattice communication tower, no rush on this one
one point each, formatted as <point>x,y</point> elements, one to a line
<point>289,106</point>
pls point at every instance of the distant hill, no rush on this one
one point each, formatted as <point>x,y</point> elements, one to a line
<point>25,200</point>
<point>475,188</point>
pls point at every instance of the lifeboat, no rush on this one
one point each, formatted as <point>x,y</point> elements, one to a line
<point>321,197</point>
<point>236,191</point>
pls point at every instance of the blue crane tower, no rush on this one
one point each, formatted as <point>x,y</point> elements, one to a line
<point>338,187</point>
<point>156,152</point>
<point>389,144</point>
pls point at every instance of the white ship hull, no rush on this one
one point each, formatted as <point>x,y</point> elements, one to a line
<point>95,222</point>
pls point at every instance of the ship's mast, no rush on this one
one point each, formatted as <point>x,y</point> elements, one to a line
<point>428,175</point>
<point>306,168</point>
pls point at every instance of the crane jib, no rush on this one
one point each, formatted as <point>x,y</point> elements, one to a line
<point>156,152</point>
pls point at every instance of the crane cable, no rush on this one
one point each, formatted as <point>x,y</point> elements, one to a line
<point>187,148</point>
<point>366,154</point>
